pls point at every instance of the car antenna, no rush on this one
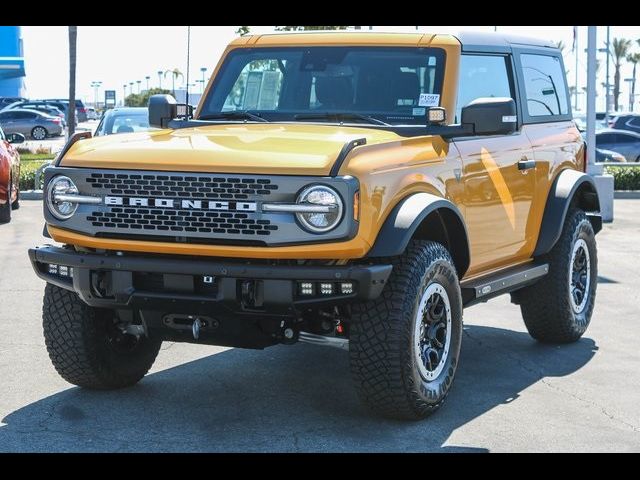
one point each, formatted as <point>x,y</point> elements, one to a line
<point>186,110</point>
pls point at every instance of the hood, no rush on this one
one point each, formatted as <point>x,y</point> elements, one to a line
<point>286,149</point>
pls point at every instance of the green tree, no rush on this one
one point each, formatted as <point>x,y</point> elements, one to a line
<point>633,58</point>
<point>242,31</point>
<point>619,50</point>
<point>142,99</point>
<point>175,73</point>
<point>71,112</point>
<point>295,29</point>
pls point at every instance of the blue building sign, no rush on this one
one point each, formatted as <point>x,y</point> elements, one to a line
<point>11,63</point>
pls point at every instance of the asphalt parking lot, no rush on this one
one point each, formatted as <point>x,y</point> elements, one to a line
<point>510,393</point>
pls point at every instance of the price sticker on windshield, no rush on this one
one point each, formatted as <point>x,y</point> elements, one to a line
<point>429,100</point>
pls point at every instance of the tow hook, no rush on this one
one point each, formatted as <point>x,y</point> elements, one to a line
<point>195,328</point>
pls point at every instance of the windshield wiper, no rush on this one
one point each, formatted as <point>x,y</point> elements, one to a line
<point>340,117</point>
<point>234,114</point>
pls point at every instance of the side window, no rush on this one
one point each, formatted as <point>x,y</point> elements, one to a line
<point>626,138</point>
<point>544,86</point>
<point>257,87</point>
<point>482,76</point>
<point>635,121</point>
<point>606,138</point>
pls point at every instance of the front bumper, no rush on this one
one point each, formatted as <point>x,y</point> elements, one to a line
<point>192,285</point>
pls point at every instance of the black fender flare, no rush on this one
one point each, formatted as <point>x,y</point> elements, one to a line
<point>565,187</point>
<point>407,216</point>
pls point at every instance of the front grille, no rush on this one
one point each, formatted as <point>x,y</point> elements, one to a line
<point>182,186</point>
<point>198,208</point>
<point>174,220</point>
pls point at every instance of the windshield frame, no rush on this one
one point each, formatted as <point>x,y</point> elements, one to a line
<point>288,116</point>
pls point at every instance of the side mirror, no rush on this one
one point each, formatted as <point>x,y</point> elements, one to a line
<point>491,116</point>
<point>15,138</point>
<point>163,109</point>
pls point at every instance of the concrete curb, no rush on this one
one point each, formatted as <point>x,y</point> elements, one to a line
<point>626,194</point>
<point>31,195</point>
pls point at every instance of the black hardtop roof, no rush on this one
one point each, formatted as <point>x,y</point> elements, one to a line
<point>498,42</point>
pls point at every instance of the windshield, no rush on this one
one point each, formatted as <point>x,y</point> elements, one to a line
<point>325,84</point>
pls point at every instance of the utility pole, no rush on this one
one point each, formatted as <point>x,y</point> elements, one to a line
<point>603,181</point>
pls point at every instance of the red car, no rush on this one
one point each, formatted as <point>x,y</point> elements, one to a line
<point>9,174</point>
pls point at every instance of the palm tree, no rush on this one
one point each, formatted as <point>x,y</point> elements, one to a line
<point>71,112</point>
<point>175,73</point>
<point>633,58</point>
<point>619,50</point>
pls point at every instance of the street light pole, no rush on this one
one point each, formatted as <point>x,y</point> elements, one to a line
<point>160,79</point>
<point>138,82</point>
<point>606,108</point>
<point>124,90</point>
<point>147,79</point>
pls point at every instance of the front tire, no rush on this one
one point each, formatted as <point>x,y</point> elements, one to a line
<point>87,349</point>
<point>558,308</point>
<point>405,345</point>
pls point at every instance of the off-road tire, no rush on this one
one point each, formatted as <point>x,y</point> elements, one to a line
<point>381,343</point>
<point>82,349</point>
<point>546,306</point>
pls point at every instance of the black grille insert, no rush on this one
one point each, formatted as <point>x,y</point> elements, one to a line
<point>182,186</point>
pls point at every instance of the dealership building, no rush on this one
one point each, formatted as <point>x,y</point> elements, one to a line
<point>12,72</point>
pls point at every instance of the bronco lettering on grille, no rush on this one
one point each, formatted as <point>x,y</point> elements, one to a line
<point>182,204</point>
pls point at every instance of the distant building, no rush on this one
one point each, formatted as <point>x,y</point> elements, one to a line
<point>12,72</point>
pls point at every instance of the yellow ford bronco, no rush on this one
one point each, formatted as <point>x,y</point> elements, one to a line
<point>355,190</point>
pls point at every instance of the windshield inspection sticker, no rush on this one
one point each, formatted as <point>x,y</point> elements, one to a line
<point>418,112</point>
<point>429,100</point>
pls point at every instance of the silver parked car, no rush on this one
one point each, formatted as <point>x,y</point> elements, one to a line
<point>31,123</point>
<point>624,142</point>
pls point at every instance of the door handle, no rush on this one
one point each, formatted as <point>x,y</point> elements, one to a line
<point>526,164</point>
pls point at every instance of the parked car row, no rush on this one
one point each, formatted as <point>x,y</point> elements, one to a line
<point>618,139</point>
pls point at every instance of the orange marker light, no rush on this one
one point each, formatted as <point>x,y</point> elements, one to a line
<point>356,206</point>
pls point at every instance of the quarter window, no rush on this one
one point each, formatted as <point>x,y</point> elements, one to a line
<point>482,76</point>
<point>544,85</point>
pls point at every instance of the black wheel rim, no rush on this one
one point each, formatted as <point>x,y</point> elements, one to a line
<point>580,276</point>
<point>432,333</point>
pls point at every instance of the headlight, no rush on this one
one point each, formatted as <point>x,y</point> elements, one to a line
<point>320,196</point>
<point>59,186</point>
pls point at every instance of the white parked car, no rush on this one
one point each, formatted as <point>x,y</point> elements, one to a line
<point>92,114</point>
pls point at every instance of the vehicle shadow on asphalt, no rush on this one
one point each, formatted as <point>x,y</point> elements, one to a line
<point>287,398</point>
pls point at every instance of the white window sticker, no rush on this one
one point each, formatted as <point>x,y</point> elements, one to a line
<point>429,100</point>
<point>418,111</point>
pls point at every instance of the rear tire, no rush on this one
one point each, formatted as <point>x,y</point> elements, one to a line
<point>558,308</point>
<point>39,133</point>
<point>87,349</point>
<point>16,204</point>
<point>404,346</point>
<point>5,210</point>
